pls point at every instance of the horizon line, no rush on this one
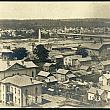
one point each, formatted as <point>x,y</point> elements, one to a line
<point>52,18</point>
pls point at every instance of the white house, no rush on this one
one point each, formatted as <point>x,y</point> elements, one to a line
<point>104,79</point>
<point>9,68</point>
<point>72,61</point>
<point>105,65</point>
<point>62,74</point>
<point>96,94</point>
<point>107,89</point>
<point>21,90</point>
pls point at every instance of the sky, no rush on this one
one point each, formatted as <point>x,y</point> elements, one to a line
<point>54,10</point>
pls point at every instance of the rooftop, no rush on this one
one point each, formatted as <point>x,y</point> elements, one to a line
<point>74,57</point>
<point>85,59</point>
<point>93,90</point>
<point>84,67</point>
<point>62,71</point>
<point>49,64</point>
<point>107,62</point>
<point>107,76</point>
<point>4,66</point>
<point>51,79</point>
<point>20,80</point>
<point>94,46</point>
<point>59,56</point>
<point>43,73</point>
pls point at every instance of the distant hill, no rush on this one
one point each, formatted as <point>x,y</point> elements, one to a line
<point>51,23</point>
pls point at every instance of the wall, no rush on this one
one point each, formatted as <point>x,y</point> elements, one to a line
<point>104,81</point>
<point>20,71</point>
<point>60,77</point>
<point>31,94</point>
<point>16,94</point>
<point>90,96</point>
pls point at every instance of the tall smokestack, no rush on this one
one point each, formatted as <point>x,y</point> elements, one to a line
<point>39,36</point>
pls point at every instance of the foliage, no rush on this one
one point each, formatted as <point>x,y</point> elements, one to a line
<point>82,52</point>
<point>41,52</point>
<point>19,53</point>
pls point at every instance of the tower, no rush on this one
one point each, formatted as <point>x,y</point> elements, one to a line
<point>39,36</point>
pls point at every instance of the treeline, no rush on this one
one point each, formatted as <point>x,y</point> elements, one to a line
<point>51,23</point>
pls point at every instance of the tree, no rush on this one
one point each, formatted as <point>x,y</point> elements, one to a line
<point>41,52</point>
<point>82,52</point>
<point>19,53</point>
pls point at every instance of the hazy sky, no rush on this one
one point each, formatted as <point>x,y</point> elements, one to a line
<point>54,10</point>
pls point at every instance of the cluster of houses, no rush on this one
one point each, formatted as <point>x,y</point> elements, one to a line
<point>22,82</point>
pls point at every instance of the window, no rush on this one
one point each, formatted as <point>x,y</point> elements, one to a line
<point>26,101</point>
<point>7,88</point>
<point>19,92</point>
<point>26,92</point>
<point>15,99</point>
<point>3,88</point>
<point>11,89</point>
<point>19,100</point>
<point>36,98</point>
<point>32,73</point>
<point>15,90</point>
<point>3,96</point>
<point>36,90</point>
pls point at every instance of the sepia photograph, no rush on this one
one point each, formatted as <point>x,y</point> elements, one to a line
<point>55,54</point>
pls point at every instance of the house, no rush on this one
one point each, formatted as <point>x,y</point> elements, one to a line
<point>9,68</point>
<point>86,61</point>
<point>107,89</point>
<point>46,77</point>
<point>96,94</point>
<point>80,74</point>
<point>98,49</point>
<point>51,80</point>
<point>104,79</point>
<point>6,53</point>
<point>58,60</point>
<point>21,90</point>
<point>64,75</point>
<point>86,68</point>
<point>71,61</point>
<point>105,65</point>
<point>49,67</point>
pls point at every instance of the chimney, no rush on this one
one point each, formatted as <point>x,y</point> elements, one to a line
<point>39,36</point>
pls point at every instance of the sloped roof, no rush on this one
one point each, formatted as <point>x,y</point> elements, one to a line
<point>84,67</point>
<point>107,62</point>
<point>107,76</point>
<point>6,50</point>
<point>80,72</point>
<point>85,59</point>
<point>4,66</point>
<point>49,64</point>
<point>71,75</point>
<point>74,57</point>
<point>43,73</point>
<point>51,79</point>
<point>93,90</point>
<point>62,71</point>
<point>58,56</point>
<point>20,80</point>
<point>92,46</point>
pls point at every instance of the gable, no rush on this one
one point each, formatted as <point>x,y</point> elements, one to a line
<point>16,66</point>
